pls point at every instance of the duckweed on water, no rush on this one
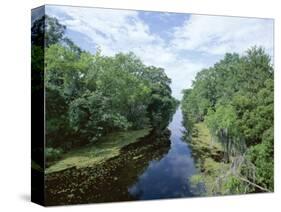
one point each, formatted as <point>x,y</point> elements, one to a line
<point>208,154</point>
<point>97,153</point>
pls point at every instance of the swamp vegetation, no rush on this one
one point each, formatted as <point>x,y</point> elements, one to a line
<point>89,96</point>
<point>234,99</point>
<point>114,132</point>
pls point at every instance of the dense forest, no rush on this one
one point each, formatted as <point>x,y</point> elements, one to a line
<point>90,95</point>
<point>235,98</point>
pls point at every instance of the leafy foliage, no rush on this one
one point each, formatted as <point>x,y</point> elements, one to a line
<point>52,154</point>
<point>91,95</point>
<point>235,99</point>
<point>47,30</point>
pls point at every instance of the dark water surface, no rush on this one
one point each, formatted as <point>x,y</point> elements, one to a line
<point>156,167</point>
<point>168,177</point>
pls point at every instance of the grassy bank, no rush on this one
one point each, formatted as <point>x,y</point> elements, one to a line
<point>94,154</point>
<point>208,154</point>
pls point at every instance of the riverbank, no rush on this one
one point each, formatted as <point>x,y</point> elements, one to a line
<point>208,155</point>
<point>105,180</point>
<point>91,155</point>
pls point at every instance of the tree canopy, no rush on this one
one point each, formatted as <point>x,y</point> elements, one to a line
<point>89,95</point>
<point>235,98</point>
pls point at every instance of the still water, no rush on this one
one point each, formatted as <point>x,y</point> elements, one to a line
<point>152,168</point>
<point>169,177</point>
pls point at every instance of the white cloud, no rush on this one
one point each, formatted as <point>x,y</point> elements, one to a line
<point>112,30</point>
<point>124,31</point>
<point>182,73</point>
<point>221,34</point>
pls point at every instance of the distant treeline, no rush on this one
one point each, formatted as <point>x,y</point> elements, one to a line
<point>90,95</point>
<point>235,98</point>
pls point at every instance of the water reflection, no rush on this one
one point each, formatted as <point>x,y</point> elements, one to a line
<point>109,181</point>
<point>158,166</point>
<point>168,178</point>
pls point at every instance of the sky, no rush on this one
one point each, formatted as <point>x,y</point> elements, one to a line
<point>182,44</point>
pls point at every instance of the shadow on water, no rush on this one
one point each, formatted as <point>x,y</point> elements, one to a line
<point>158,166</point>
<point>107,182</point>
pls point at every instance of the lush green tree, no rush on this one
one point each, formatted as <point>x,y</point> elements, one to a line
<point>235,98</point>
<point>47,30</point>
<point>91,95</point>
<point>99,94</point>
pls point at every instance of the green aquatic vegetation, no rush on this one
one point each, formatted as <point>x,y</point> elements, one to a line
<point>212,177</point>
<point>203,144</point>
<point>91,155</point>
<point>208,154</point>
<point>109,180</point>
